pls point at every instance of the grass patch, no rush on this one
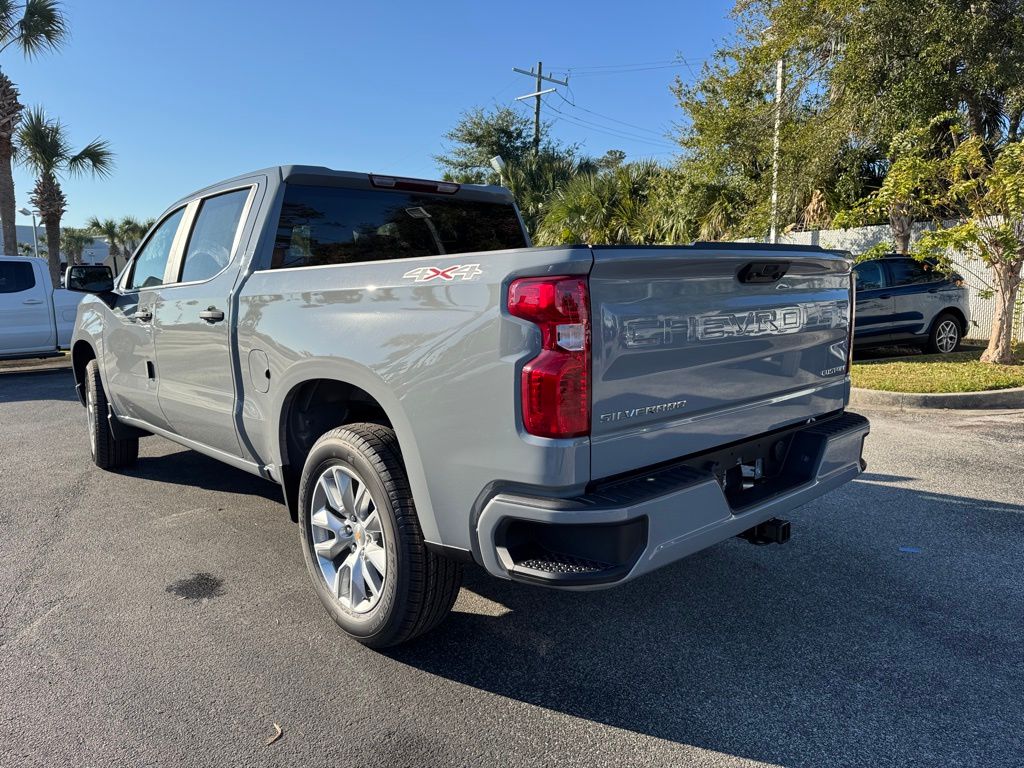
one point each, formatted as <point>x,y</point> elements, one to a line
<point>959,372</point>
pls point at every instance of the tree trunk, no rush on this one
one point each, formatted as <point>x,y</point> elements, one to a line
<point>52,226</point>
<point>900,224</point>
<point>7,203</point>
<point>10,114</point>
<point>1000,343</point>
<point>48,197</point>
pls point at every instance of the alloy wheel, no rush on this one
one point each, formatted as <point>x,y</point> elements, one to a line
<point>946,336</point>
<point>348,538</point>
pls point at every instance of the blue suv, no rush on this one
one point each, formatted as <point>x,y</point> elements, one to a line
<point>903,301</point>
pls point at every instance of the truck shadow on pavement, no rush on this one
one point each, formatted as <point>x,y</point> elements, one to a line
<point>886,633</point>
<point>189,468</point>
<point>24,386</point>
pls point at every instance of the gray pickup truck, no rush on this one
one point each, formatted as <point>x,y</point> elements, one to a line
<point>429,390</point>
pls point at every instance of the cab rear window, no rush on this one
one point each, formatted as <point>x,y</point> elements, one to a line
<point>332,225</point>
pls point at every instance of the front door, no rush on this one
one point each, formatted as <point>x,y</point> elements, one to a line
<point>26,320</point>
<point>193,327</point>
<point>873,317</point>
<point>131,366</point>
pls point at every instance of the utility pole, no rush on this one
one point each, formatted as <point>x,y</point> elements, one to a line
<point>773,235</point>
<point>541,77</point>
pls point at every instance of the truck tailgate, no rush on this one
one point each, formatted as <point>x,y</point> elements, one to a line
<point>698,346</point>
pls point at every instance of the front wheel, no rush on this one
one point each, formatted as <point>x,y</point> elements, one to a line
<point>107,451</point>
<point>362,541</point>
<point>945,335</point>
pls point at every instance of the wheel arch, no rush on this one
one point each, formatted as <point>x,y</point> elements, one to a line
<point>320,400</point>
<point>957,314</point>
<point>81,353</point>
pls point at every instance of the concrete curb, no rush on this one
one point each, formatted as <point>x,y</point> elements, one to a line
<point>996,398</point>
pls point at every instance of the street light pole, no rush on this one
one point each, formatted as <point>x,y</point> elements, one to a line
<point>35,234</point>
<point>774,233</point>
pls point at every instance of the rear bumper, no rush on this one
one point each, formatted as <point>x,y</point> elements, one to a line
<point>626,528</point>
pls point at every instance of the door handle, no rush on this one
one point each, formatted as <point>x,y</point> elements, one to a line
<point>211,315</point>
<point>933,290</point>
<point>32,301</point>
<point>143,315</point>
<point>885,296</point>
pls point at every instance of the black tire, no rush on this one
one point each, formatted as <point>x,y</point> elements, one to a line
<point>107,452</point>
<point>419,587</point>
<point>938,336</point>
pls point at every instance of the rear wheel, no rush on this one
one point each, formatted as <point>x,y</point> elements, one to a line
<point>362,541</point>
<point>945,335</point>
<point>107,452</point>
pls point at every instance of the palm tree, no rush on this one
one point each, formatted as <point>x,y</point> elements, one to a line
<point>130,232</point>
<point>34,26</point>
<point>73,242</point>
<point>607,207</point>
<point>107,229</point>
<point>45,149</point>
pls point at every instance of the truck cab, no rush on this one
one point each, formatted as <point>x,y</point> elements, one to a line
<point>36,320</point>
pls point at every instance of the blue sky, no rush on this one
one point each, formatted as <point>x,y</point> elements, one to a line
<point>192,91</point>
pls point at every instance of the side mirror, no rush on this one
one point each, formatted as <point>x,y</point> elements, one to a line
<point>87,278</point>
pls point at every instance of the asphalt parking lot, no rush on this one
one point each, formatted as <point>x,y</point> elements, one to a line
<point>163,617</point>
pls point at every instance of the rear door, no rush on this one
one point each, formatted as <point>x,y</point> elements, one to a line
<point>873,318</point>
<point>917,297</point>
<point>695,347</point>
<point>193,324</point>
<point>26,320</point>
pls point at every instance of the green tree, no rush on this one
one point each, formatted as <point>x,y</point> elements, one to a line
<point>989,189</point>
<point>73,242</point>
<point>33,27</point>
<point>44,147</point>
<point>108,230</point>
<point>605,207</point>
<point>480,135</point>
<point>130,232</point>
<point>534,180</point>
<point>857,75</point>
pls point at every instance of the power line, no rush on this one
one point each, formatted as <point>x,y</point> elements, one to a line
<point>677,65</point>
<point>573,104</point>
<point>619,134</point>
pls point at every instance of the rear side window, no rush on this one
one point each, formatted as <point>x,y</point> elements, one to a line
<point>910,272</point>
<point>209,247</point>
<point>331,225</point>
<point>16,276</point>
<point>869,275</point>
<point>149,266</point>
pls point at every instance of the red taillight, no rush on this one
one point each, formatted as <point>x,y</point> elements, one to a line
<point>556,383</point>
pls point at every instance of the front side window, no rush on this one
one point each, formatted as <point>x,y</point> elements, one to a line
<point>209,247</point>
<point>910,272</point>
<point>868,275</point>
<point>149,266</point>
<point>16,276</point>
<point>333,225</point>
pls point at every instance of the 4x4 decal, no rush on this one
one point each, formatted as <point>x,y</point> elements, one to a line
<point>455,272</point>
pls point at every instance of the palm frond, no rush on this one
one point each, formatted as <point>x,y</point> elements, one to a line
<point>95,157</point>
<point>42,146</point>
<point>42,28</point>
<point>8,18</point>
